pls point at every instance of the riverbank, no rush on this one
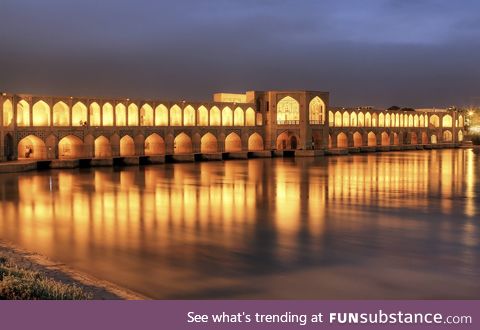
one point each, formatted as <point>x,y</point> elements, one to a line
<point>60,273</point>
<point>31,165</point>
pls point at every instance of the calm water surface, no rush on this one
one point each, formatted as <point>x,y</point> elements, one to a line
<point>390,225</point>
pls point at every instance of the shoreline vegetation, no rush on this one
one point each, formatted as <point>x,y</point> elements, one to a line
<point>30,276</point>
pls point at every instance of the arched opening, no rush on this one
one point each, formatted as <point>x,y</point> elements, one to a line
<point>415,121</point>
<point>103,148</point>
<point>95,115</point>
<point>182,144</point>
<point>316,111</point>
<point>346,119</point>
<point>342,140</point>
<point>381,120</point>
<point>70,147</point>
<point>208,143</point>
<point>215,116</point>
<point>161,115</point>
<point>32,147</point>
<point>353,119</point>
<point>385,139</point>
<point>79,114</point>
<point>146,115</point>
<point>227,117</point>
<point>422,121</point>
<point>447,121</point>
<point>433,139</point>
<point>374,120</point>
<point>460,136</point>
<point>361,119</point>
<point>447,136</point>
<point>331,119</point>
<point>107,116</point>
<point>460,121</point>
<point>338,119</point>
<point>238,117</point>
<point>372,139</point>
<point>23,113</point>
<point>255,142</point>
<point>189,116</point>
<point>133,115</point>
<point>396,140</point>
<point>41,114</point>
<point>434,121</point>
<point>233,143</point>
<point>424,138</point>
<point>61,114</point>
<point>288,111</point>
<point>413,138</point>
<point>368,120</point>
<point>357,139</point>
<point>7,113</point>
<point>127,146</point>
<point>154,145</point>
<point>387,120</point>
<point>175,116</point>
<point>250,117</point>
<point>121,114</point>
<point>410,121</point>
<point>202,116</point>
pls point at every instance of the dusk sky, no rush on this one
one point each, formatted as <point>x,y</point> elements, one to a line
<point>370,52</point>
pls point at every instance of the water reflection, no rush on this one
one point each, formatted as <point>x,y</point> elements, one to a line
<point>393,225</point>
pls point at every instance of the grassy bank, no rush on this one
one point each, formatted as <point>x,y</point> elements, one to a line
<point>20,283</point>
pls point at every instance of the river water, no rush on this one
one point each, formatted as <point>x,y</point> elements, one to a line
<point>386,225</point>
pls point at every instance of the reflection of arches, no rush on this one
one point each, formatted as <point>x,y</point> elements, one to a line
<point>372,139</point>
<point>215,116</point>
<point>460,136</point>
<point>357,139</point>
<point>385,139</point>
<point>250,117</point>
<point>8,147</point>
<point>127,146</point>
<point>447,121</point>
<point>447,136</point>
<point>189,116</point>
<point>424,138</point>
<point>154,145</point>
<point>79,114</point>
<point>23,113</point>
<point>208,143</point>
<point>285,139</point>
<point>238,117</point>
<point>227,117</point>
<point>255,142</point>
<point>32,147</point>
<point>161,115</point>
<point>288,111</point>
<point>233,143</point>
<point>413,138</point>
<point>41,114</point>
<point>433,139</point>
<point>7,113</point>
<point>61,114</point>
<point>103,148</point>
<point>316,111</point>
<point>182,144</point>
<point>121,115</point>
<point>107,115</point>
<point>70,147</point>
<point>175,116</point>
<point>146,115</point>
<point>342,141</point>
<point>202,116</point>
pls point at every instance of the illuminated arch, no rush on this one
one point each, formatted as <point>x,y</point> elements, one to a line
<point>176,116</point>
<point>353,119</point>
<point>103,148</point>
<point>189,116</point>
<point>357,139</point>
<point>133,115</point>
<point>259,119</point>
<point>202,116</point>
<point>32,147</point>
<point>95,114</point>
<point>338,119</point>
<point>434,121</point>
<point>161,115</point>
<point>41,114</point>
<point>331,119</point>
<point>396,140</point>
<point>316,111</point>
<point>255,142</point>
<point>70,147</point>
<point>447,121</point>
<point>346,119</point>
<point>233,143</point>
<point>342,140</point>
<point>23,113</point>
<point>426,120</point>
<point>361,119</point>
<point>127,146</point>
<point>368,120</point>
<point>415,121</point>
<point>374,120</point>
<point>79,114</point>
<point>381,120</point>
<point>208,143</point>
<point>402,122</point>
<point>433,139</point>
<point>146,115</point>
<point>227,117</point>
<point>182,144</point>
<point>238,117</point>
<point>424,138</point>
<point>154,145</point>
<point>460,121</point>
<point>288,111</point>
<point>61,114</point>
<point>460,136</point>
<point>7,113</point>
<point>371,139</point>
<point>215,117</point>
<point>107,115</point>
<point>421,121</point>
<point>250,117</point>
<point>447,136</point>
<point>121,114</point>
<point>397,120</point>
<point>385,139</point>
<point>413,138</point>
<point>387,120</point>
